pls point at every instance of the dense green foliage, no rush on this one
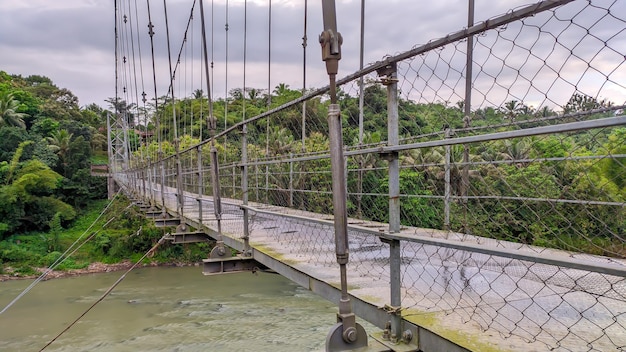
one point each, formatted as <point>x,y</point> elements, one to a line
<point>123,232</point>
<point>511,191</point>
<point>45,149</point>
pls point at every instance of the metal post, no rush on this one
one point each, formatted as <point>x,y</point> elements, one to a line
<point>467,105</point>
<point>244,189</point>
<point>179,190</point>
<point>361,98</point>
<point>150,194</point>
<point>256,181</point>
<point>304,44</point>
<point>219,250</point>
<point>162,164</point>
<point>393,139</point>
<point>267,179</point>
<point>200,177</point>
<point>290,180</point>
<point>346,334</point>
<point>446,198</point>
<point>144,172</point>
<point>389,79</point>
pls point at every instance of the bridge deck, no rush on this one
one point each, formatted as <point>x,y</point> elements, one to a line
<point>454,294</point>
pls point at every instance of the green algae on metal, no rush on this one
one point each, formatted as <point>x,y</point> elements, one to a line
<point>431,321</point>
<point>274,254</point>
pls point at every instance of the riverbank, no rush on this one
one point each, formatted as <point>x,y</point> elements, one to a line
<point>93,268</point>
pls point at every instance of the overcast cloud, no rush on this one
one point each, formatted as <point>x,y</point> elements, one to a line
<point>72,41</point>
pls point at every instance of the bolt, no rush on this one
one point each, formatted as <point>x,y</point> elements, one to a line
<point>350,335</point>
<point>407,336</point>
<point>394,338</point>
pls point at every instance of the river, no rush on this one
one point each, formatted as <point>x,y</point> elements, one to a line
<point>166,309</point>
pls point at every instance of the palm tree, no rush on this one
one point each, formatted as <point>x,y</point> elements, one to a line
<point>198,93</point>
<point>8,111</point>
<point>511,109</point>
<point>280,140</point>
<point>60,142</point>
<point>515,150</point>
<point>281,89</point>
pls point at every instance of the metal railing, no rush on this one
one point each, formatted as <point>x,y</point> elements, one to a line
<point>502,209</point>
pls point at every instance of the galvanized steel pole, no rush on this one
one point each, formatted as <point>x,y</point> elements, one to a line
<point>346,334</point>
<point>391,81</point>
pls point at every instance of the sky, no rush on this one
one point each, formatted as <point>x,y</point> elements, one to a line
<point>72,41</point>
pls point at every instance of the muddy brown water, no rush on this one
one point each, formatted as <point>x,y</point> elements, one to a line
<point>166,309</point>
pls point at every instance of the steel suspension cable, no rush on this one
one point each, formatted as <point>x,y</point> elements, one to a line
<point>127,88</point>
<point>205,55</point>
<point>269,58</point>
<point>135,89</point>
<point>191,80</point>
<point>361,92</point>
<point>143,88</point>
<point>107,292</point>
<point>304,45</point>
<point>245,52</point>
<point>269,100</point>
<point>61,258</point>
<point>156,104</point>
<point>226,78</point>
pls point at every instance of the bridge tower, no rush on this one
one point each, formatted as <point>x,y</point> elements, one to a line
<point>117,126</point>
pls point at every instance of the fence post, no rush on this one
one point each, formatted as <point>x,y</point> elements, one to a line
<point>162,163</point>
<point>244,190</point>
<point>390,79</point>
<point>446,198</point>
<point>467,105</point>
<point>290,179</point>
<point>180,196</point>
<point>200,177</point>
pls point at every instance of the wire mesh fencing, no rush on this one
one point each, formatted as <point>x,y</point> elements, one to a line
<point>510,173</point>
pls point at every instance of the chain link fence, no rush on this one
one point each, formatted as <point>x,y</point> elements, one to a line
<point>511,193</point>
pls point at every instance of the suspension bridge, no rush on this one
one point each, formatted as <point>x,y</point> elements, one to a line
<point>466,194</point>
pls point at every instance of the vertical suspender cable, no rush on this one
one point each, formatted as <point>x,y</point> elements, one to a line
<point>172,78</point>
<point>226,74</point>
<point>269,59</point>
<point>179,187</point>
<point>111,158</point>
<point>126,87</point>
<point>361,98</point>
<point>156,110</point>
<point>201,117</point>
<point>191,83</point>
<point>212,76</point>
<point>183,94</point>
<point>304,44</point>
<point>467,112</point>
<point>132,43</point>
<point>245,52</point>
<point>143,89</point>
<point>206,67</point>
<point>269,100</point>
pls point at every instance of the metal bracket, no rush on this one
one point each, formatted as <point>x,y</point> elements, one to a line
<point>389,156</point>
<point>387,71</point>
<point>335,340</point>
<point>230,265</point>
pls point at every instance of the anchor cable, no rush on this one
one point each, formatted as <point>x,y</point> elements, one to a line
<point>61,258</point>
<point>108,291</point>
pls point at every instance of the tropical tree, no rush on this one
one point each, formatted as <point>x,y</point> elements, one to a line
<point>511,109</point>
<point>198,93</point>
<point>59,142</point>
<point>8,111</point>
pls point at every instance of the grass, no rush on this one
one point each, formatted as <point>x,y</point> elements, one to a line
<point>24,252</point>
<point>99,157</point>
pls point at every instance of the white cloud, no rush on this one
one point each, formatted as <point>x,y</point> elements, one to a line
<point>71,41</point>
